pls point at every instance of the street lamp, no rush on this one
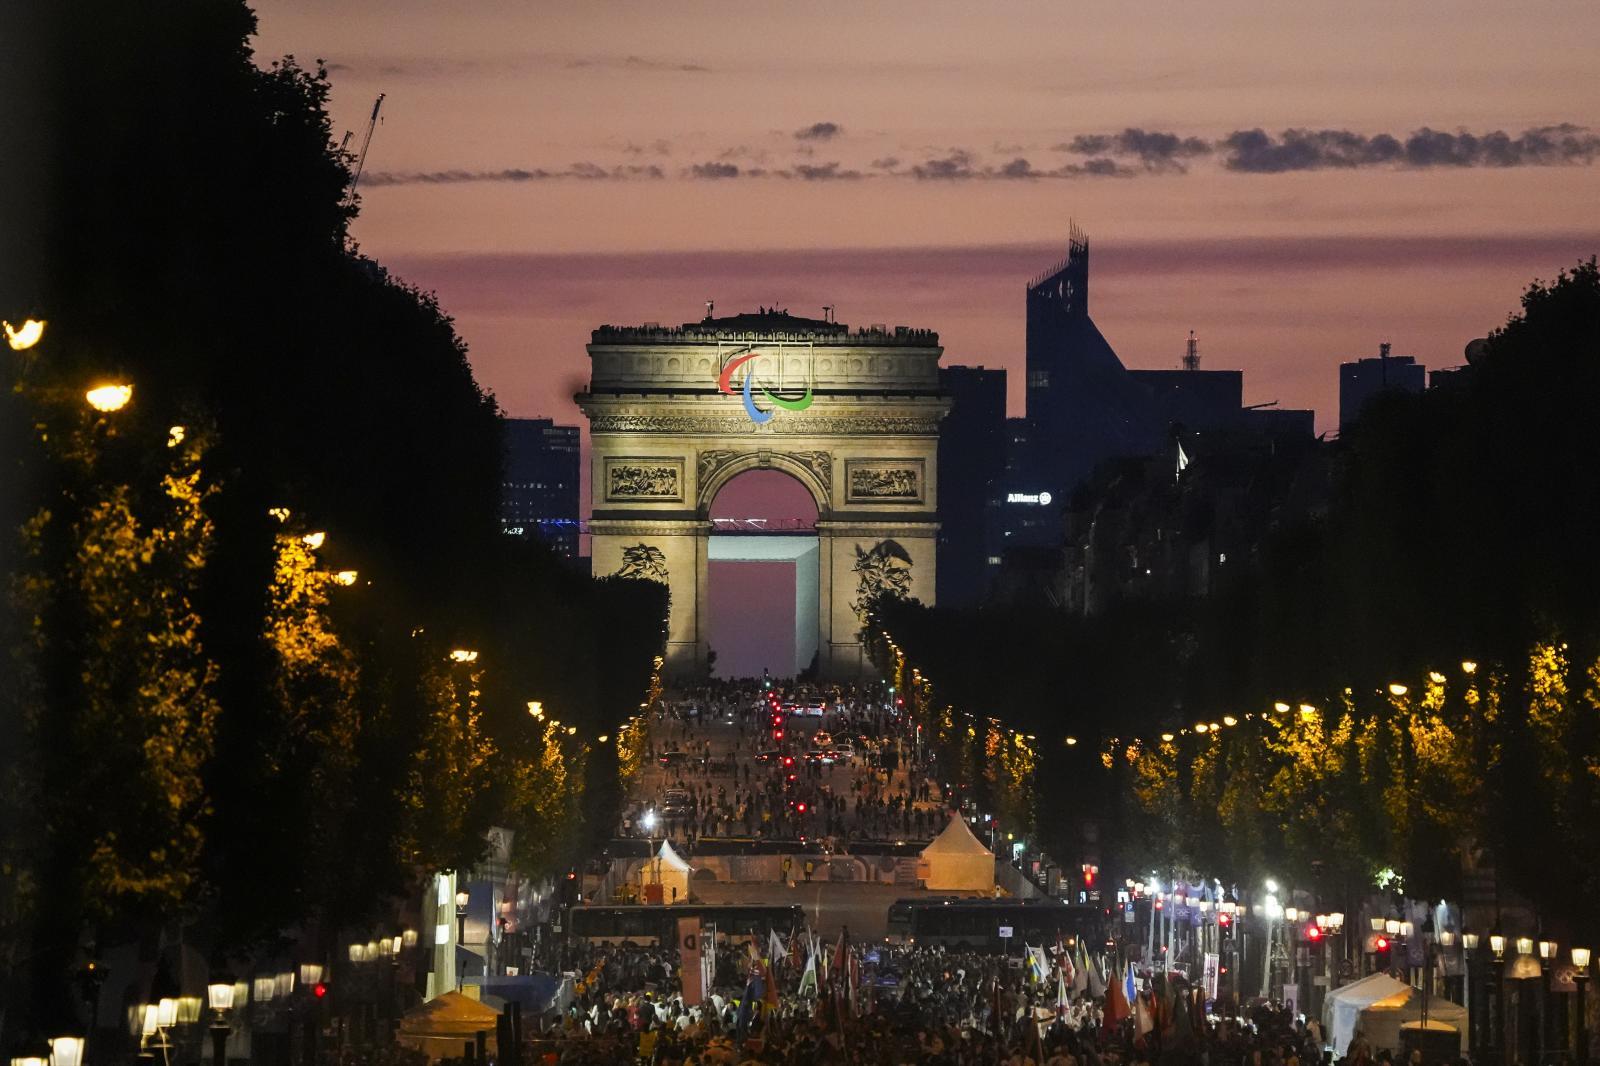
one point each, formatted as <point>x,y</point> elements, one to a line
<point>66,1051</point>
<point>462,898</point>
<point>219,996</point>
<point>23,337</point>
<point>109,398</point>
<point>1580,976</point>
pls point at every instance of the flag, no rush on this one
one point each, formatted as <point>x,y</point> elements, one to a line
<point>1064,966</point>
<point>1130,991</point>
<point>1144,1019</point>
<point>1116,1006</point>
<point>769,987</point>
<point>808,979</point>
<point>1097,983</point>
<point>1037,966</point>
<point>1080,970</point>
<point>1061,994</point>
<point>776,952</point>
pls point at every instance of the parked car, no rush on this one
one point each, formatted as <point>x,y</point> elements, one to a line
<point>822,739</point>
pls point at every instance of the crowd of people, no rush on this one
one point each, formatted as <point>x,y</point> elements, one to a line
<point>742,765</point>
<point>895,1006</point>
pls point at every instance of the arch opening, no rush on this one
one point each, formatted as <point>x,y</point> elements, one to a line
<point>762,568</point>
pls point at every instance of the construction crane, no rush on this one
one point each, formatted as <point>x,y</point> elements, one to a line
<point>361,158</point>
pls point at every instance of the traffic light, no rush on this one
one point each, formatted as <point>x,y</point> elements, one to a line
<point>320,989</point>
<point>1380,947</point>
<point>1313,933</point>
<point>801,807</point>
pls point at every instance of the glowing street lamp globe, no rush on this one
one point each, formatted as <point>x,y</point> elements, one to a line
<point>109,398</point>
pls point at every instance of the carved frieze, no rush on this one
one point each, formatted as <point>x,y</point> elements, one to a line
<point>883,480</point>
<point>645,478</point>
<point>741,426</point>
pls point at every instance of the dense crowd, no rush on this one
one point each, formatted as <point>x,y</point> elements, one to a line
<point>887,1005</point>
<point>737,774</point>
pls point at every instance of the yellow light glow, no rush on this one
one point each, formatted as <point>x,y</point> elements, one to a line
<point>1167,737</point>
<point>603,738</point>
<point>109,397</point>
<point>463,655</point>
<point>1280,706</point>
<point>1436,677</point>
<point>536,708</point>
<point>1071,741</point>
<point>1229,720</point>
<point>1306,710</point>
<point>314,540</point>
<point>1397,689</point>
<point>346,577</point>
<point>175,436</point>
<point>571,729</point>
<point>1468,666</point>
<point>280,513</point>
<point>24,336</point>
<point>1201,727</point>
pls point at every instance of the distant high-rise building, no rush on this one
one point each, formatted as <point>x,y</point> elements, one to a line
<point>1083,406</point>
<point>1363,379</point>
<point>972,462</point>
<point>539,495</point>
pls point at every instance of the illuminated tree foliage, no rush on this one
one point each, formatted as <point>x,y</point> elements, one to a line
<point>1454,563</point>
<point>207,723</point>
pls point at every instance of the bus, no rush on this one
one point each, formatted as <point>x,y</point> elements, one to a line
<point>993,924</point>
<point>646,924</point>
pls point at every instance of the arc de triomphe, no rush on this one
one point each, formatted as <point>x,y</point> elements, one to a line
<point>676,413</point>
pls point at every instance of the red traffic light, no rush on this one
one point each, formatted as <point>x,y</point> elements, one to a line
<point>777,734</point>
<point>1224,920</point>
<point>319,989</point>
<point>572,875</point>
<point>788,760</point>
<point>801,807</point>
<point>1313,933</point>
<point>1381,944</point>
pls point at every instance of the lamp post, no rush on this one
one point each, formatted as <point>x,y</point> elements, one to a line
<point>1580,977</point>
<point>462,898</point>
<point>219,996</point>
<point>1469,951</point>
<point>1547,953</point>
<point>66,1051</point>
<point>1497,1003</point>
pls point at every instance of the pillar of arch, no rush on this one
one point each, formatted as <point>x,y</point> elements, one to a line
<point>665,438</point>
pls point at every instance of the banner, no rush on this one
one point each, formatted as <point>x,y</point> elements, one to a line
<point>1209,981</point>
<point>689,964</point>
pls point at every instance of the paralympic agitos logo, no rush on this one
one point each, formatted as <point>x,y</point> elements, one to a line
<point>775,402</point>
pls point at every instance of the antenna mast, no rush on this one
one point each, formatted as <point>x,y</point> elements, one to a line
<point>1191,354</point>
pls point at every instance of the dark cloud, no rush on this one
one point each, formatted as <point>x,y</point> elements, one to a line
<point>819,131</point>
<point>888,162</point>
<point>1018,168</point>
<point>955,165</point>
<point>582,171</point>
<point>1257,152</point>
<point>821,172</point>
<point>713,170</point>
<point>1156,151</point>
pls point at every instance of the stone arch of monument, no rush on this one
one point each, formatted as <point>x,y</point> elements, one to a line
<point>676,413</point>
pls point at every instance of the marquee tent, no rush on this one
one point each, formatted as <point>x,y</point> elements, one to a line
<point>956,861</point>
<point>1378,1006</point>
<point>443,1026</point>
<point>668,870</point>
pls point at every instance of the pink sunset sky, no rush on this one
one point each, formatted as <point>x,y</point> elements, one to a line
<point>1294,182</point>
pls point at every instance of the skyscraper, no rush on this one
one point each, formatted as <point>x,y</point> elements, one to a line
<point>1083,406</point>
<point>539,494</point>
<point>1365,378</point>
<point>972,460</point>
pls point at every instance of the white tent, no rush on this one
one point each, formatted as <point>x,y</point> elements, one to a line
<point>1377,1006</point>
<point>668,870</point>
<point>956,861</point>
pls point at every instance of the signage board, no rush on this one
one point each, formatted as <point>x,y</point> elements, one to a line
<point>1005,932</point>
<point>1037,499</point>
<point>1212,968</point>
